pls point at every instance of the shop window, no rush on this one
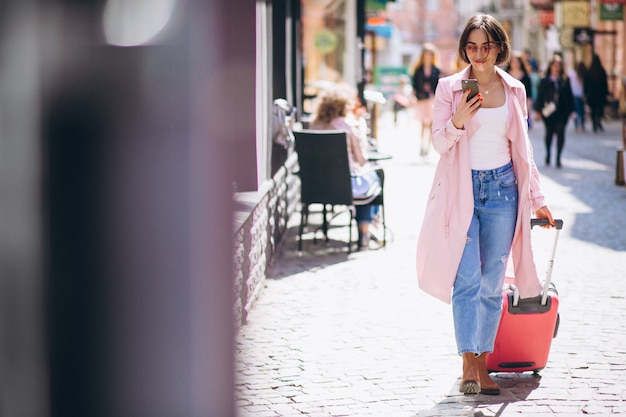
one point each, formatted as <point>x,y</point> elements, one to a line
<point>323,46</point>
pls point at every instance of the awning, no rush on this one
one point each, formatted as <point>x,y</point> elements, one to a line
<point>380,30</point>
<point>542,4</point>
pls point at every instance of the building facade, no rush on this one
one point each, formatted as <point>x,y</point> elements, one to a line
<point>303,46</point>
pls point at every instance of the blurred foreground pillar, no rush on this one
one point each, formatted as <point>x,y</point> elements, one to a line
<point>116,203</point>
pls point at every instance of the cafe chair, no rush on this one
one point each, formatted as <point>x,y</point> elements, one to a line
<point>325,179</point>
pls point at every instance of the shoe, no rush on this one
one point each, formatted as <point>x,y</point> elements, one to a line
<point>375,242</point>
<point>470,382</point>
<point>487,385</point>
<point>558,164</point>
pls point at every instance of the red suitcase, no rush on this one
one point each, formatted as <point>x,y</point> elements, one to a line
<point>528,325</point>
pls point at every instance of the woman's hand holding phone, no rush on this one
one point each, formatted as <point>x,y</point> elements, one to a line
<point>469,104</point>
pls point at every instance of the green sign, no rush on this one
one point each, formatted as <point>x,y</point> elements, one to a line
<point>325,41</point>
<point>375,5</point>
<point>388,80</point>
<point>612,11</point>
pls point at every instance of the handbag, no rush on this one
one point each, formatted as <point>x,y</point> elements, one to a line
<point>365,187</point>
<point>548,109</point>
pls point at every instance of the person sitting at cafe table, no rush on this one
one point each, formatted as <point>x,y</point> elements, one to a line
<point>332,113</point>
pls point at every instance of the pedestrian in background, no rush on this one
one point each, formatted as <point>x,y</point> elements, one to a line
<point>596,92</point>
<point>518,69</point>
<point>425,76</point>
<point>485,188</point>
<point>535,79</point>
<point>576,81</point>
<point>530,62</point>
<point>555,102</point>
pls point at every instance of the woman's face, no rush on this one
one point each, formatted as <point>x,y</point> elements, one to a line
<point>481,50</point>
<point>555,68</point>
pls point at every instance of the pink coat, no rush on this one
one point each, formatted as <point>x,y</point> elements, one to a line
<point>450,203</point>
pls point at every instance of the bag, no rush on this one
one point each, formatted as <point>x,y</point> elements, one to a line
<point>365,187</point>
<point>548,109</point>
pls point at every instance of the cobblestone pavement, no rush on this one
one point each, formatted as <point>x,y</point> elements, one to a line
<point>351,335</point>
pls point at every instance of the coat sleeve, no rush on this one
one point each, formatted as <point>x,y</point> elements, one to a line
<point>537,198</point>
<point>445,134</point>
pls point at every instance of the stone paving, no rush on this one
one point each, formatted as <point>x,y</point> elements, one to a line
<point>333,334</point>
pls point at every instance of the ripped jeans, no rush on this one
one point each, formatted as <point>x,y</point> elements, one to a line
<point>477,292</point>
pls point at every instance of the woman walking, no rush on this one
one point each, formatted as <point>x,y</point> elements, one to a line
<point>424,80</point>
<point>486,185</point>
<point>555,103</point>
<point>577,84</point>
<point>517,68</point>
<point>596,91</point>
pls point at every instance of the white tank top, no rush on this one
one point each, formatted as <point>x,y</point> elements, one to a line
<point>489,146</point>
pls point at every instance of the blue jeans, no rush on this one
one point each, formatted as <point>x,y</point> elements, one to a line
<point>477,291</point>
<point>579,109</point>
<point>365,214</point>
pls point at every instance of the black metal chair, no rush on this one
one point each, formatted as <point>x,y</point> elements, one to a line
<point>325,179</point>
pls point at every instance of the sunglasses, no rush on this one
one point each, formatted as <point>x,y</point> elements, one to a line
<point>485,48</point>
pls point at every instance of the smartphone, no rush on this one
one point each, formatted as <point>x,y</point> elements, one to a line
<point>472,85</point>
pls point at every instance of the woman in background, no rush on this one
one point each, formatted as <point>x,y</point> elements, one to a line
<point>596,92</point>
<point>425,77</point>
<point>576,81</point>
<point>518,69</point>
<point>555,103</point>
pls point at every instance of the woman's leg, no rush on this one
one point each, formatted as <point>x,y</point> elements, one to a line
<point>581,113</point>
<point>498,217</point>
<point>560,142</point>
<point>424,116</point>
<point>428,122</point>
<point>548,139</point>
<point>477,291</point>
<point>466,293</point>
<point>595,116</point>
<point>600,115</point>
<point>364,215</point>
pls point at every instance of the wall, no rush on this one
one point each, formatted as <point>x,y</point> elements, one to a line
<point>260,223</point>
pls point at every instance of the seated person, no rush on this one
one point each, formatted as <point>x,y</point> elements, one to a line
<point>332,113</point>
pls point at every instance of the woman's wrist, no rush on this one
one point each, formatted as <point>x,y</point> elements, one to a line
<point>456,123</point>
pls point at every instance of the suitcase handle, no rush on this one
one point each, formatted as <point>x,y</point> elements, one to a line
<point>558,224</point>
<point>544,222</point>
